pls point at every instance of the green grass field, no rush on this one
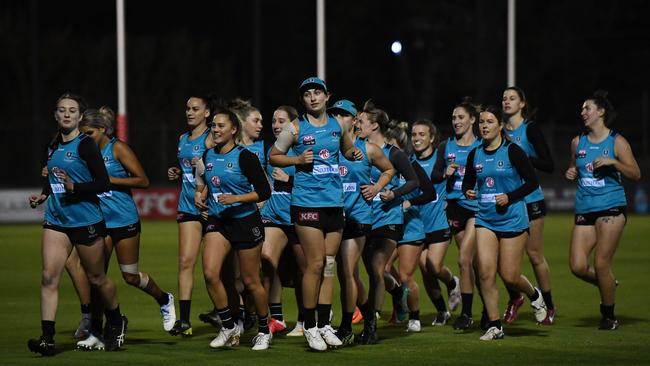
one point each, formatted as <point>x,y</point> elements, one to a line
<point>573,340</point>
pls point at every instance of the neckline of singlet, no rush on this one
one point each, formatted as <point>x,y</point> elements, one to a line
<point>306,119</point>
<point>492,152</point>
<point>523,122</point>
<point>471,143</point>
<point>61,142</point>
<point>189,134</point>
<point>610,133</point>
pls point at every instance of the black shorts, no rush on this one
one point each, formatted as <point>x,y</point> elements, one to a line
<point>123,232</point>
<point>327,219</point>
<point>354,230</point>
<point>457,216</point>
<point>394,232</point>
<point>243,233</point>
<point>81,235</point>
<point>187,217</point>
<point>288,230</point>
<point>438,236</point>
<point>536,210</point>
<point>589,218</point>
<point>415,243</point>
<point>506,234</point>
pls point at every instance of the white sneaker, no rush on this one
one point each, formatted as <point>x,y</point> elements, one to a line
<point>492,334</point>
<point>168,313</point>
<point>314,339</point>
<point>91,343</point>
<point>539,307</point>
<point>441,319</point>
<point>414,326</point>
<point>226,338</point>
<point>297,331</point>
<point>454,295</point>
<point>327,332</point>
<point>262,341</point>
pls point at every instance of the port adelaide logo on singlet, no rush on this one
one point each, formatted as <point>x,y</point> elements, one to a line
<point>489,182</point>
<point>343,170</point>
<point>216,181</point>
<point>309,140</point>
<point>324,154</point>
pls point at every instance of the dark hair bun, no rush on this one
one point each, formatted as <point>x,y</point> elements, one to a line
<point>600,93</point>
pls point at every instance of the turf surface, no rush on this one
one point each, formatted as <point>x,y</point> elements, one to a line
<point>573,340</point>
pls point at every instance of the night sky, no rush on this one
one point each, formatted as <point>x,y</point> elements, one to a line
<point>262,50</point>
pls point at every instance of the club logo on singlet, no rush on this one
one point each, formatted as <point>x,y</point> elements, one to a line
<point>324,154</point>
<point>461,170</point>
<point>582,154</point>
<point>68,154</point>
<point>209,167</point>
<point>229,165</point>
<point>343,170</point>
<point>105,159</point>
<point>308,140</point>
<point>187,163</point>
<point>479,168</point>
<point>518,139</point>
<point>216,181</point>
<point>257,153</point>
<point>489,182</point>
<point>196,147</point>
<point>605,152</point>
<point>451,157</point>
<point>500,163</point>
<point>589,167</point>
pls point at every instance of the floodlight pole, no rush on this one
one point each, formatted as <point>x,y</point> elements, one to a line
<point>511,42</point>
<point>122,123</point>
<point>320,37</point>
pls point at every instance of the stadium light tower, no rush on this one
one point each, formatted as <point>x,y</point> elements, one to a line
<point>320,38</point>
<point>512,30</point>
<point>122,124</point>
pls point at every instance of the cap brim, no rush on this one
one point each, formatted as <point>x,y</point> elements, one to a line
<point>312,86</point>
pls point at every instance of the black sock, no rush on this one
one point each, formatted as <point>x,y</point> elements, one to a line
<point>414,315</point>
<point>467,304</point>
<point>85,309</point>
<point>534,297</point>
<point>163,299</point>
<point>396,291</point>
<point>226,317</point>
<point>346,320</point>
<point>276,311</point>
<point>114,317</point>
<point>440,304</point>
<point>185,306</point>
<point>310,317</point>
<point>263,325</point>
<point>514,295</point>
<point>548,299</point>
<point>301,315</point>
<point>607,311</point>
<point>366,310</point>
<point>323,314</point>
<point>451,284</point>
<point>242,312</point>
<point>495,323</point>
<point>47,330</point>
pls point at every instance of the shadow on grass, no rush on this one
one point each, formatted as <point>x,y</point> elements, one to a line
<point>594,321</point>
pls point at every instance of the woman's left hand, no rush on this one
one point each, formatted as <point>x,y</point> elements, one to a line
<point>501,199</point>
<point>603,161</point>
<point>228,199</point>
<point>387,195</point>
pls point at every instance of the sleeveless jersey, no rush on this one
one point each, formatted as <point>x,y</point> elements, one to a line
<point>187,150</point>
<point>318,184</point>
<point>495,175</point>
<point>278,208</point>
<point>117,205</point>
<point>66,209</point>
<point>223,174</point>
<point>413,225</point>
<point>598,189</point>
<point>519,137</point>
<point>257,148</point>
<point>355,174</point>
<point>388,213</point>
<point>455,153</point>
<point>433,213</point>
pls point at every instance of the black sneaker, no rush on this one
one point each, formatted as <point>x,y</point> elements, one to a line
<point>346,336</point>
<point>211,318</point>
<point>42,346</point>
<point>114,335</point>
<point>181,328</point>
<point>369,334</point>
<point>608,324</point>
<point>463,322</point>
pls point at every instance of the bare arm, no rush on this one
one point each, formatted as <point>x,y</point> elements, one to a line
<point>624,161</point>
<point>377,158</point>
<point>572,173</point>
<point>127,158</point>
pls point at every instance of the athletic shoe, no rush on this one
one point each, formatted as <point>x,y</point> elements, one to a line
<point>402,304</point>
<point>608,324</point>
<point>314,339</point>
<point>212,318</point>
<point>262,341</point>
<point>226,338</point>
<point>357,317</point>
<point>492,334</point>
<point>369,334</point>
<point>511,311</point>
<point>441,319</point>
<point>454,295</point>
<point>485,321</point>
<point>45,348</point>
<point>168,313</point>
<point>277,326</point>
<point>346,336</point>
<point>114,335</point>
<point>550,317</point>
<point>414,326</point>
<point>91,343</point>
<point>463,322</point>
<point>181,328</point>
<point>539,307</point>
<point>327,333</point>
<point>83,330</point>
<point>297,331</point>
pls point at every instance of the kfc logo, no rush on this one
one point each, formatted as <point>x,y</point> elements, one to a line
<point>309,216</point>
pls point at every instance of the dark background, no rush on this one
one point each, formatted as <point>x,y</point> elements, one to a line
<point>262,50</point>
